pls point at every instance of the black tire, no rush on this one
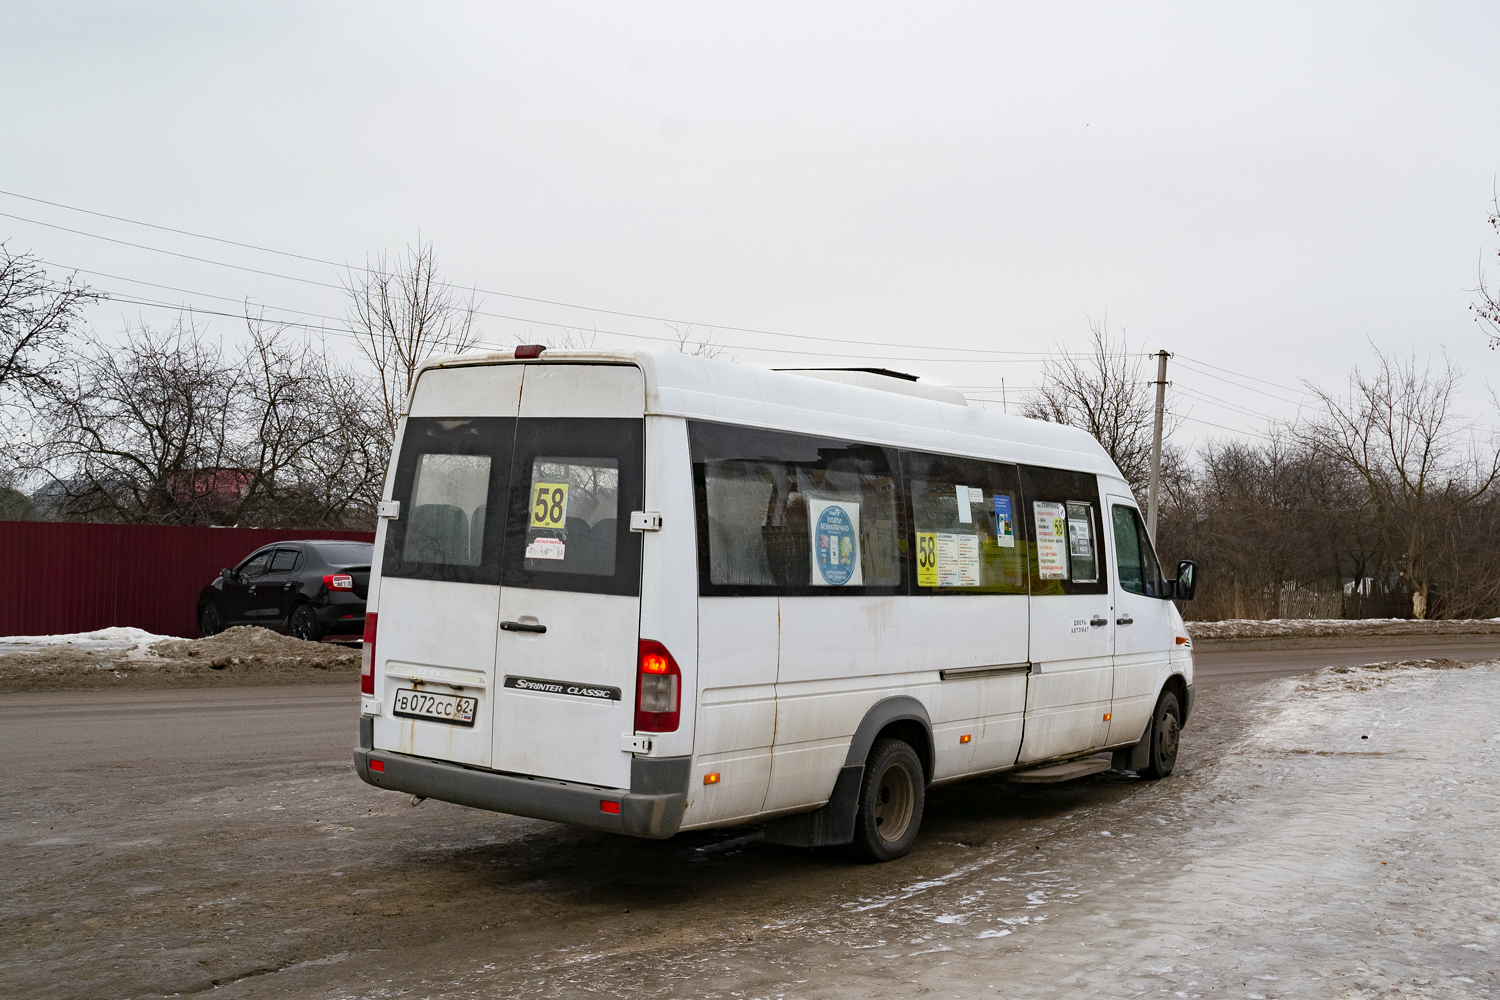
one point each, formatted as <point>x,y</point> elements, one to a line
<point>305,625</point>
<point>1166,731</point>
<point>891,798</point>
<point>210,620</point>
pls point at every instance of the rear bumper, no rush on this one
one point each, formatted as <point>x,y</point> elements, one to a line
<point>654,812</point>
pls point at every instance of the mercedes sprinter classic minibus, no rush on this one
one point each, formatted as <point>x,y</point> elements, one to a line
<point>645,592</point>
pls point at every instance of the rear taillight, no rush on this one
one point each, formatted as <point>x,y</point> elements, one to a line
<point>367,657</point>
<point>658,697</point>
<point>338,581</point>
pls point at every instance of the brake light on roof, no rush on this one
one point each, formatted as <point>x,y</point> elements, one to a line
<point>338,581</point>
<point>658,704</point>
<point>367,657</point>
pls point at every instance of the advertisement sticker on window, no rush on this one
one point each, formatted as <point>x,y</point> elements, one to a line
<point>1005,531</point>
<point>1051,540</point>
<point>835,543</point>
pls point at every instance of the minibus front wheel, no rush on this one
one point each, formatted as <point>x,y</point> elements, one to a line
<point>1163,737</point>
<point>891,799</point>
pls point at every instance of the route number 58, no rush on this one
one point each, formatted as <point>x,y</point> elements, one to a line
<point>549,505</point>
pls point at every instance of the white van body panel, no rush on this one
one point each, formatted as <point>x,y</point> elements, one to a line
<point>465,617</point>
<point>773,688</point>
<point>669,559</point>
<point>736,716</point>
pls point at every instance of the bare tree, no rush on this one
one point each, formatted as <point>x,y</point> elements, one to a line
<point>1487,309</point>
<point>166,429</point>
<point>38,318</point>
<point>1104,392</point>
<point>689,343</point>
<point>403,313</point>
<point>139,431</point>
<point>1396,429</point>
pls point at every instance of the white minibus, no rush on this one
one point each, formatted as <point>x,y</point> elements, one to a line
<point>645,592</point>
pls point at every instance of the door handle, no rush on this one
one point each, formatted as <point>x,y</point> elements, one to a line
<point>1096,622</point>
<point>522,627</point>
<point>1124,621</point>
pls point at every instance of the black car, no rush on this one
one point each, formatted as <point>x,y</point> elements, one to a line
<point>310,589</point>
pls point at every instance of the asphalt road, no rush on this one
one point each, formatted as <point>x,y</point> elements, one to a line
<point>173,842</point>
<point>1223,662</point>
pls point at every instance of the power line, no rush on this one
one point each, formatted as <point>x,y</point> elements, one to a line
<point>1177,386</point>
<point>1207,423</point>
<point>451,285</point>
<point>1278,385</point>
<point>549,323</point>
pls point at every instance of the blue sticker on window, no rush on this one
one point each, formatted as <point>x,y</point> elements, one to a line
<point>1005,533</point>
<point>835,546</point>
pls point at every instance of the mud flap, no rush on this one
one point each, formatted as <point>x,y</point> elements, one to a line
<point>1136,758</point>
<point>833,824</point>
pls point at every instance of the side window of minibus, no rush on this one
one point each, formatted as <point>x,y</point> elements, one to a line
<point>789,514</point>
<point>1062,517</point>
<point>964,529</point>
<point>1139,571</point>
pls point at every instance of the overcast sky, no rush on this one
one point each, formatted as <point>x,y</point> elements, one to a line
<point>1263,189</point>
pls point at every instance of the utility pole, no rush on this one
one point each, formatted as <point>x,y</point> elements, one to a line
<point>1154,490</point>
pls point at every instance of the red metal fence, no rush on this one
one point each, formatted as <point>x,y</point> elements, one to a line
<point>58,578</point>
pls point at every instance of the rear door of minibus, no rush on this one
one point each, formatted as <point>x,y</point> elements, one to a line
<point>569,606</point>
<point>439,595</point>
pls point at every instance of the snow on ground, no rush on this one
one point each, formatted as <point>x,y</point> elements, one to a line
<point>114,638</point>
<point>1245,628</point>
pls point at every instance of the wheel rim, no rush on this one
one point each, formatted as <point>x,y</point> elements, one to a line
<point>1167,734</point>
<point>894,796</point>
<point>301,627</point>
<point>210,624</point>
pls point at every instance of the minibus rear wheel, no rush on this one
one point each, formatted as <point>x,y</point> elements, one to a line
<point>891,798</point>
<point>1166,727</point>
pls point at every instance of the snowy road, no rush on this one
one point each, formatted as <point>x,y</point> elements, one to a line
<point>1331,836</point>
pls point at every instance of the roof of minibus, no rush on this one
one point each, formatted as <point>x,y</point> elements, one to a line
<point>680,385</point>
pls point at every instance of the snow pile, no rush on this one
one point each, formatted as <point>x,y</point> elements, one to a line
<point>1277,628</point>
<point>104,638</point>
<point>132,658</point>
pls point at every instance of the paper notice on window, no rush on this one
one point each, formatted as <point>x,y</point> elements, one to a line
<point>957,560</point>
<point>835,543</point>
<point>546,548</point>
<point>1005,528</point>
<point>976,496</point>
<point>1051,540</point>
<point>965,515</point>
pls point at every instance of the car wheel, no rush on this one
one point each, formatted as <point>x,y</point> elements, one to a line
<point>210,621</point>
<point>891,798</point>
<point>305,624</point>
<point>1166,730</point>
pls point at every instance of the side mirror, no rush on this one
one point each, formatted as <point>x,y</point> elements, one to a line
<point>1186,584</point>
<point>227,574</point>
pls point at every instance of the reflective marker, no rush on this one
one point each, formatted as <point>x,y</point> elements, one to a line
<point>607,806</point>
<point>712,778</point>
<point>377,765</point>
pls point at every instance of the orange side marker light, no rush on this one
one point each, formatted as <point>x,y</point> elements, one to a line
<point>965,738</point>
<point>1182,640</point>
<point>1108,716</point>
<point>711,778</point>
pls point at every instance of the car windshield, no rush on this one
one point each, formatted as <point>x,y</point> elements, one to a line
<point>350,553</point>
